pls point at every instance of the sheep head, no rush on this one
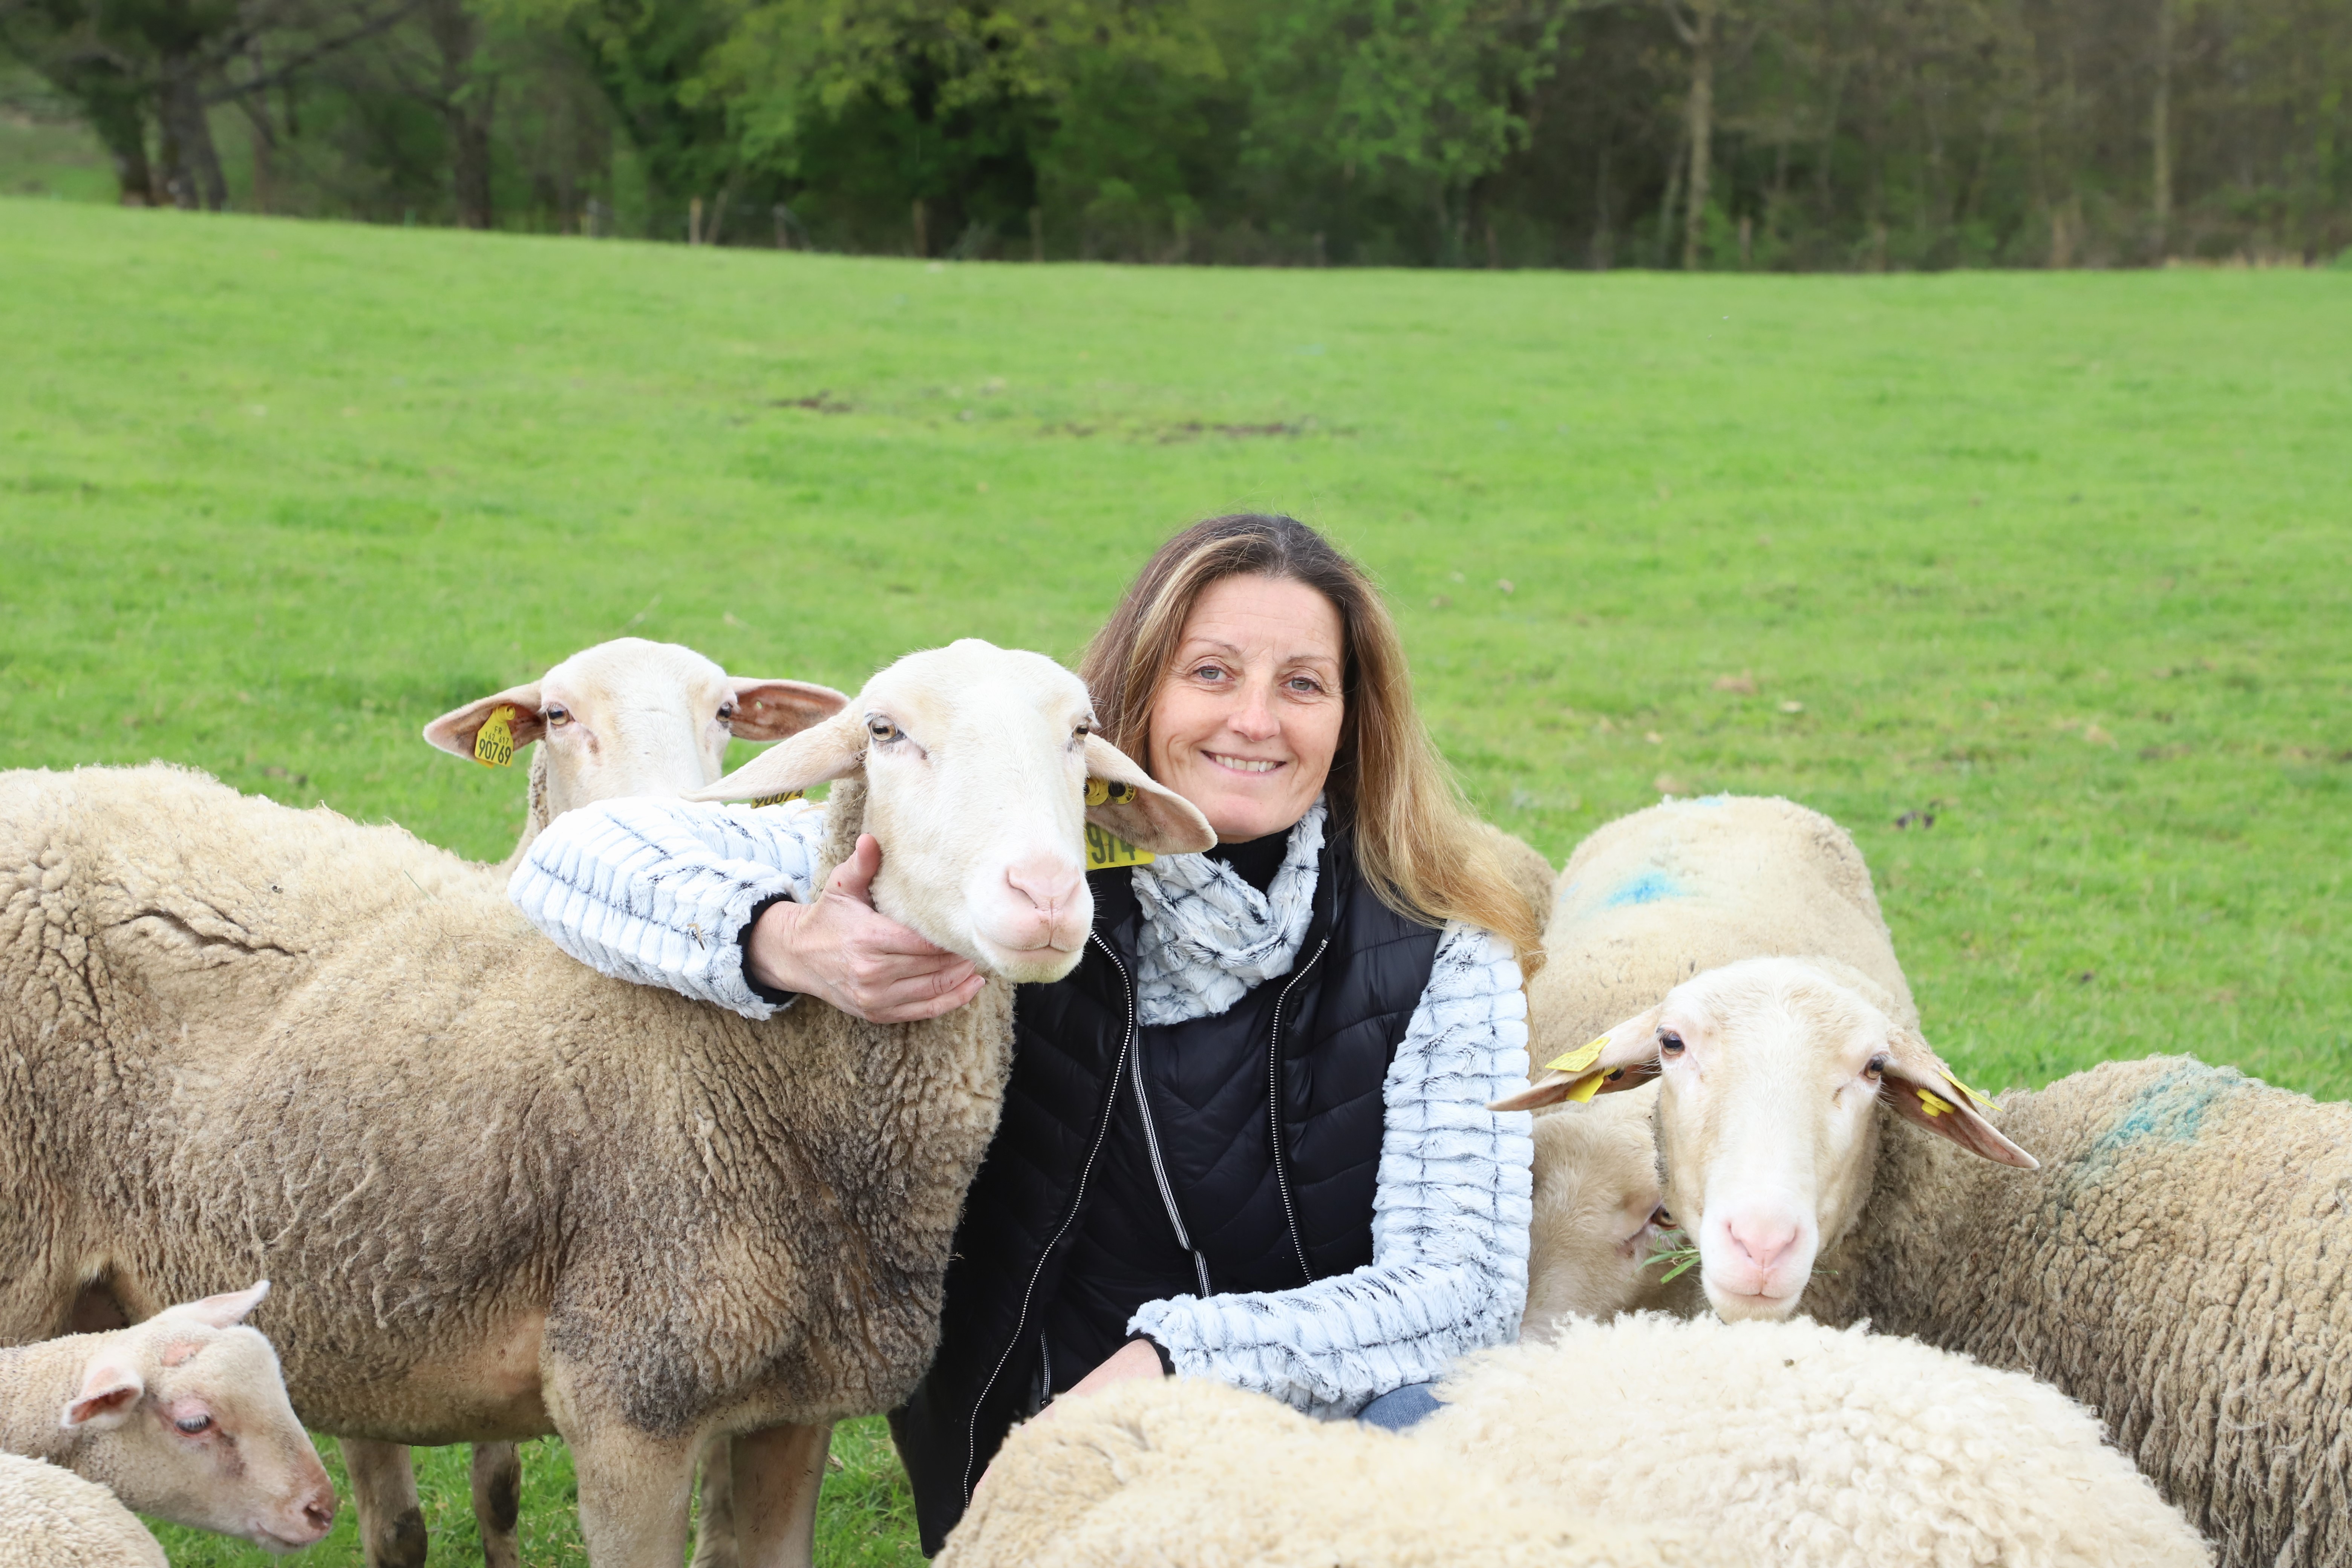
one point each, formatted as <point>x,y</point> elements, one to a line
<point>976,763</point>
<point>1773,1074</point>
<point>185,1417</point>
<point>628,718</point>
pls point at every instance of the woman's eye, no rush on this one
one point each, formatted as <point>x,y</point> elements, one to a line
<point>192,1424</point>
<point>1306,683</point>
<point>1669,1043</point>
<point>1209,672</point>
<point>558,715</point>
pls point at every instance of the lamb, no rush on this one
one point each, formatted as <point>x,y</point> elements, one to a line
<point>183,1416</point>
<point>1645,1439</point>
<point>51,1518</point>
<point>2128,1271</point>
<point>1187,1472</point>
<point>1594,1235</point>
<point>519,1196</point>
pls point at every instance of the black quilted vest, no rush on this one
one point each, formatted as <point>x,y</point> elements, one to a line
<point>1071,1222</point>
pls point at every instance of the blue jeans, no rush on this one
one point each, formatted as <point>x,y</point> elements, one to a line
<point>1400,1407</point>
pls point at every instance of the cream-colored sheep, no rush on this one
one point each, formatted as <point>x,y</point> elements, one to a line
<point>1646,902</point>
<point>1531,873</point>
<point>625,717</point>
<point>1188,1473</point>
<point>183,1416</point>
<point>51,1518</point>
<point>2181,1261</point>
<point>503,1195</point>
<point>1805,1445</point>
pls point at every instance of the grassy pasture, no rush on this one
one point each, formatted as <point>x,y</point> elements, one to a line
<point>2065,560</point>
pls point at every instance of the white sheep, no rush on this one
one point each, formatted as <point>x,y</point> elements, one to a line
<point>183,1416</point>
<point>51,1518</point>
<point>1189,1473</point>
<point>1806,1446</point>
<point>1645,1439</point>
<point>2181,1261</point>
<point>518,1197</point>
<point>625,717</point>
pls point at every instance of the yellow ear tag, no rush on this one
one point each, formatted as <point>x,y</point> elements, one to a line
<point>1106,849</point>
<point>1579,1059</point>
<point>1104,792</point>
<point>1584,1090</point>
<point>780,799</point>
<point>494,741</point>
<point>1932,1106</point>
<point>1980,1101</point>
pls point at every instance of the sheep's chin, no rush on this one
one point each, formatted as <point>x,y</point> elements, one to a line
<point>1029,965</point>
<point>1735,1307</point>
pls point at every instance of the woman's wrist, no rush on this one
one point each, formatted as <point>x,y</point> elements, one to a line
<point>771,967</point>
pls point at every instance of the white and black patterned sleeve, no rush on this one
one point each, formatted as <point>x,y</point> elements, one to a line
<point>659,892</point>
<point>1449,1269</point>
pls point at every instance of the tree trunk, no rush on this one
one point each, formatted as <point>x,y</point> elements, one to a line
<point>922,227</point>
<point>192,171</point>
<point>1702,128</point>
<point>2159,132</point>
<point>466,102</point>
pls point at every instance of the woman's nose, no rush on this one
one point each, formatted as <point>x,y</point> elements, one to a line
<point>1255,719</point>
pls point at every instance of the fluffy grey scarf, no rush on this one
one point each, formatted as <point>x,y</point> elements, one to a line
<point>1209,938</point>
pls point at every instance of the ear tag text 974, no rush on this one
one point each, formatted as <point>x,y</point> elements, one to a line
<point>494,741</point>
<point>1106,849</point>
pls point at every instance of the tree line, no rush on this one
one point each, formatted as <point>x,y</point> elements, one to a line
<point>1763,134</point>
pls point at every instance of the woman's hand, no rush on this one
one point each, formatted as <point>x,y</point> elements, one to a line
<point>1132,1360</point>
<point>841,951</point>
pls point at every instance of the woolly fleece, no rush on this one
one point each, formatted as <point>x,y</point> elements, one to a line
<point>1187,1473</point>
<point>2182,1263</point>
<point>500,1193</point>
<point>51,1518</point>
<point>1810,1447</point>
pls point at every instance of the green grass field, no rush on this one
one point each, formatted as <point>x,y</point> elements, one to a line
<point>2064,560</point>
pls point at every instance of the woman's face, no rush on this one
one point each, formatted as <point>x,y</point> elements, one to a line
<point>1246,722</point>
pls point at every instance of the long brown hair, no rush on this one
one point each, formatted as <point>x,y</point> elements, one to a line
<point>1416,840</point>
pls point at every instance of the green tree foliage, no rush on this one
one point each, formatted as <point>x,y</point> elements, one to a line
<point>1762,134</point>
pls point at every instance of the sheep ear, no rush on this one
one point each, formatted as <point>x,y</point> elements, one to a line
<point>110,1390</point>
<point>1621,1058</point>
<point>831,750</point>
<point>223,1311</point>
<point>1920,1088</point>
<point>460,731</point>
<point>1146,814</point>
<point>774,710</point>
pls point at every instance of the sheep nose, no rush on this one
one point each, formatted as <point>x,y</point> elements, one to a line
<point>1765,1238</point>
<point>319,1516</point>
<point>1052,886</point>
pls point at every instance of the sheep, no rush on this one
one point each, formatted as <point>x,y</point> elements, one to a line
<point>183,1416</point>
<point>627,716</point>
<point>51,1518</point>
<point>1531,875</point>
<point>1646,902</point>
<point>519,1196</point>
<point>2128,1271</point>
<point>1182,1472</point>
<point>1806,1445</point>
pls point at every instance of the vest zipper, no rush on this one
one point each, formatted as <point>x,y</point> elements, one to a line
<point>1151,1141</point>
<point>1078,1196</point>
<point>1274,1110</point>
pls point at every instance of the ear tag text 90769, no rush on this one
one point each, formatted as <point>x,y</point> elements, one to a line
<point>494,741</point>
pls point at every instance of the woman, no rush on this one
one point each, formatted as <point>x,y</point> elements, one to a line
<point>1247,1137</point>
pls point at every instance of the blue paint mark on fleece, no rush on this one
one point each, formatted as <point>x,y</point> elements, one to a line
<point>2170,1109</point>
<point>1646,888</point>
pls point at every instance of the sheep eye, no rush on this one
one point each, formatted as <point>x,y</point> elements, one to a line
<point>1669,1043</point>
<point>1876,1070</point>
<point>1083,730</point>
<point>192,1424</point>
<point>726,711</point>
<point>558,715</point>
<point>882,729</point>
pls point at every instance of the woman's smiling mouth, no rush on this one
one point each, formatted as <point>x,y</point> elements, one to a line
<point>1243,764</point>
